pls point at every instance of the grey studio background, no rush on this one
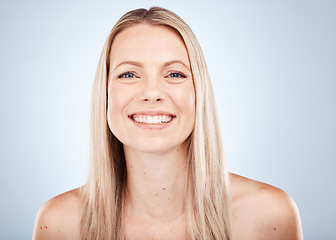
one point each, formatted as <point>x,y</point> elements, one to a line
<point>273,68</point>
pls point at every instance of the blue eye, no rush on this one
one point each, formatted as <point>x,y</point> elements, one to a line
<point>126,75</point>
<point>177,75</point>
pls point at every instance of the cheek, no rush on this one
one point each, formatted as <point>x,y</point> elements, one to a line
<point>184,98</point>
<point>187,99</point>
<point>116,104</point>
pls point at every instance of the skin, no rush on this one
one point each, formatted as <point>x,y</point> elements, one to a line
<point>156,158</point>
<point>159,79</point>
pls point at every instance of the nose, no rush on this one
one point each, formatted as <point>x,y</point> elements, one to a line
<point>151,92</point>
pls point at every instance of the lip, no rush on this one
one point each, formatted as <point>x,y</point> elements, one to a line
<point>152,113</point>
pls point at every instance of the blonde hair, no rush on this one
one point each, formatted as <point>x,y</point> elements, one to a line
<point>208,200</point>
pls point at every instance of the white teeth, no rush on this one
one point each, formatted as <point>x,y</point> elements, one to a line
<point>159,119</point>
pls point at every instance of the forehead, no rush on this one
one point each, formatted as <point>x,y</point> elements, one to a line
<point>144,42</point>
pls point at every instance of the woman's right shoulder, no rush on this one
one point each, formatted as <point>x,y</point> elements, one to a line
<point>59,218</point>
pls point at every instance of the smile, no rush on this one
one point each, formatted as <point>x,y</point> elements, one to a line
<point>156,119</point>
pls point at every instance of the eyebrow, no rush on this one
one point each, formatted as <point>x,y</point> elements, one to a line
<point>176,61</point>
<point>138,64</point>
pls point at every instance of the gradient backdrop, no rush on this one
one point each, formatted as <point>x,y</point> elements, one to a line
<point>273,68</point>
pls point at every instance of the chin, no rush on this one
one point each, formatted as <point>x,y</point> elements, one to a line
<point>152,145</point>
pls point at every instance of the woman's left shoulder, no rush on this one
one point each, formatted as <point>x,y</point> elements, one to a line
<point>269,212</point>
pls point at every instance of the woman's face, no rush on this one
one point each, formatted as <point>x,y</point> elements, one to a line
<point>151,96</point>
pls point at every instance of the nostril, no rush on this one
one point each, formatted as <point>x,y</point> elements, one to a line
<point>144,99</point>
<point>150,99</point>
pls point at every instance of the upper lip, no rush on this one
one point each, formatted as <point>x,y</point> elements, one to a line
<point>152,113</point>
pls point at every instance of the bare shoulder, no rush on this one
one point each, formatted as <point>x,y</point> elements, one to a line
<point>59,217</point>
<point>261,211</point>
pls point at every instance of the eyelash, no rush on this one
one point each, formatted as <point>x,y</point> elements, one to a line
<point>180,75</point>
<point>126,73</point>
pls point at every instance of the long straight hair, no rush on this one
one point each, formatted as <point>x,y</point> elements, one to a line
<point>208,199</point>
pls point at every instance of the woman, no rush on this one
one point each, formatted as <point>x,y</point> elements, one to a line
<point>157,169</point>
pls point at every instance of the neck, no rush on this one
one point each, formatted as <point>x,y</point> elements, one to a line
<point>156,184</point>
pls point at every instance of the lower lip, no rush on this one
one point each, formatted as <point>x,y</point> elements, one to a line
<point>152,126</point>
